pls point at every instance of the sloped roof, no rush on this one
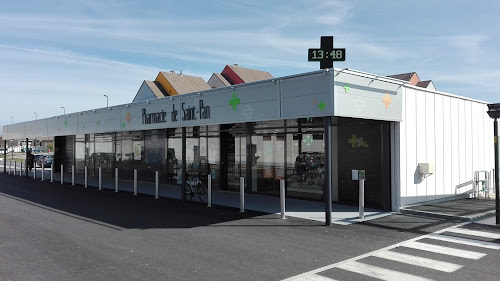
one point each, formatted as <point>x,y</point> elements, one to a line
<point>250,75</point>
<point>218,77</point>
<point>428,84</point>
<point>403,76</point>
<point>155,89</point>
<point>184,84</point>
<point>423,84</point>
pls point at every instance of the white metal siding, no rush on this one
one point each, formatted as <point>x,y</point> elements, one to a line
<point>453,133</point>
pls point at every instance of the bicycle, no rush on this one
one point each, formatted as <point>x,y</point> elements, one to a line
<point>195,186</point>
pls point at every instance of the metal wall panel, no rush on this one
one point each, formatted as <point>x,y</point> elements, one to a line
<point>420,144</point>
<point>309,96</point>
<point>439,145</point>
<point>447,148</point>
<point>411,153</point>
<point>365,97</point>
<point>430,142</point>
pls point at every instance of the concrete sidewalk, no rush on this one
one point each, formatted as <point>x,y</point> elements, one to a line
<point>469,210</point>
<point>310,210</point>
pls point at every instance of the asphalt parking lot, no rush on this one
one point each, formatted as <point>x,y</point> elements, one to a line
<point>51,231</point>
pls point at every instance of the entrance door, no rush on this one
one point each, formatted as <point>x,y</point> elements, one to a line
<point>364,145</point>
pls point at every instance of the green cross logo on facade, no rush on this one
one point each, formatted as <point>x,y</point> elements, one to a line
<point>321,105</point>
<point>308,140</point>
<point>234,101</point>
<point>354,141</point>
<point>346,87</point>
<point>98,123</point>
<point>66,123</point>
<point>124,124</point>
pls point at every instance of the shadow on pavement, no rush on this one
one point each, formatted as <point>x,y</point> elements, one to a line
<point>120,210</point>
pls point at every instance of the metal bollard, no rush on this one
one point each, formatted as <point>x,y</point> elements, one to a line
<point>62,174</point>
<point>86,177</point>
<point>282,199</point>
<point>362,199</point>
<point>73,175</point>
<point>34,171</point>
<point>242,194</point>
<point>51,172</point>
<point>43,171</point>
<point>15,167</point>
<point>116,179</point>
<point>100,178</point>
<point>21,168</point>
<point>135,181</point>
<point>10,164</point>
<point>157,181</point>
<point>209,190</point>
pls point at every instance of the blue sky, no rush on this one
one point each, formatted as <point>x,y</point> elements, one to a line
<point>71,53</point>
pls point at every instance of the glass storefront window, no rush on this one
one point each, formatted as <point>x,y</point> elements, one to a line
<point>213,154</point>
<point>268,149</point>
<point>174,154</point>
<point>233,155</point>
<point>305,159</point>
<point>154,155</point>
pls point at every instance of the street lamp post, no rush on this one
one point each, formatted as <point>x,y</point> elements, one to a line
<point>64,109</point>
<point>494,112</point>
<point>36,116</point>
<point>106,100</point>
<point>12,120</point>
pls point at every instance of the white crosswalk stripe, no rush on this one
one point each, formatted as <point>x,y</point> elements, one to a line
<point>379,272</point>
<point>357,266</point>
<point>314,277</point>
<point>418,261</point>
<point>464,241</point>
<point>474,233</point>
<point>445,250</point>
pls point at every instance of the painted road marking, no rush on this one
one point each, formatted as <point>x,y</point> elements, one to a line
<point>411,243</point>
<point>379,272</point>
<point>418,261</point>
<point>315,277</point>
<point>444,250</point>
<point>475,233</point>
<point>465,241</point>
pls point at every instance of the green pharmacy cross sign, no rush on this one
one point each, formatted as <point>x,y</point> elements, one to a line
<point>326,54</point>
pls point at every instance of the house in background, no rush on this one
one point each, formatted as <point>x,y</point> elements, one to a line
<point>413,78</point>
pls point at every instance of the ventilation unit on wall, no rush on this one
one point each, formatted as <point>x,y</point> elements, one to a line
<point>426,169</point>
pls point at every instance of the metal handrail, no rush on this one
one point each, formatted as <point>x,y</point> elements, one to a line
<point>463,185</point>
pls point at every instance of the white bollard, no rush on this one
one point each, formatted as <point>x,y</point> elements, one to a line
<point>135,181</point>
<point>282,199</point>
<point>157,181</point>
<point>43,171</point>
<point>100,178</point>
<point>86,177</point>
<point>34,171</point>
<point>73,175</point>
<point>242,194</point>
<point>362,199</point>
<point>51,172</point>
<point>15,167</point>
<point>21,167</point>
<point>209,190</point>
<point>116,179</point>
<point>10,167</point>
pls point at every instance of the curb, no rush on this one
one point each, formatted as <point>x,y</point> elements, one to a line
<point>446,216</point>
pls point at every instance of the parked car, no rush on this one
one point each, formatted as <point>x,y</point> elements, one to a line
<point>47,160</point>
<point>38,159</point>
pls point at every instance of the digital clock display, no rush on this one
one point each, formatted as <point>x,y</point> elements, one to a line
<point>319,54</point>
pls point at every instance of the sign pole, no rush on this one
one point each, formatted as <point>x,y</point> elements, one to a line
<point>497,205</point>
